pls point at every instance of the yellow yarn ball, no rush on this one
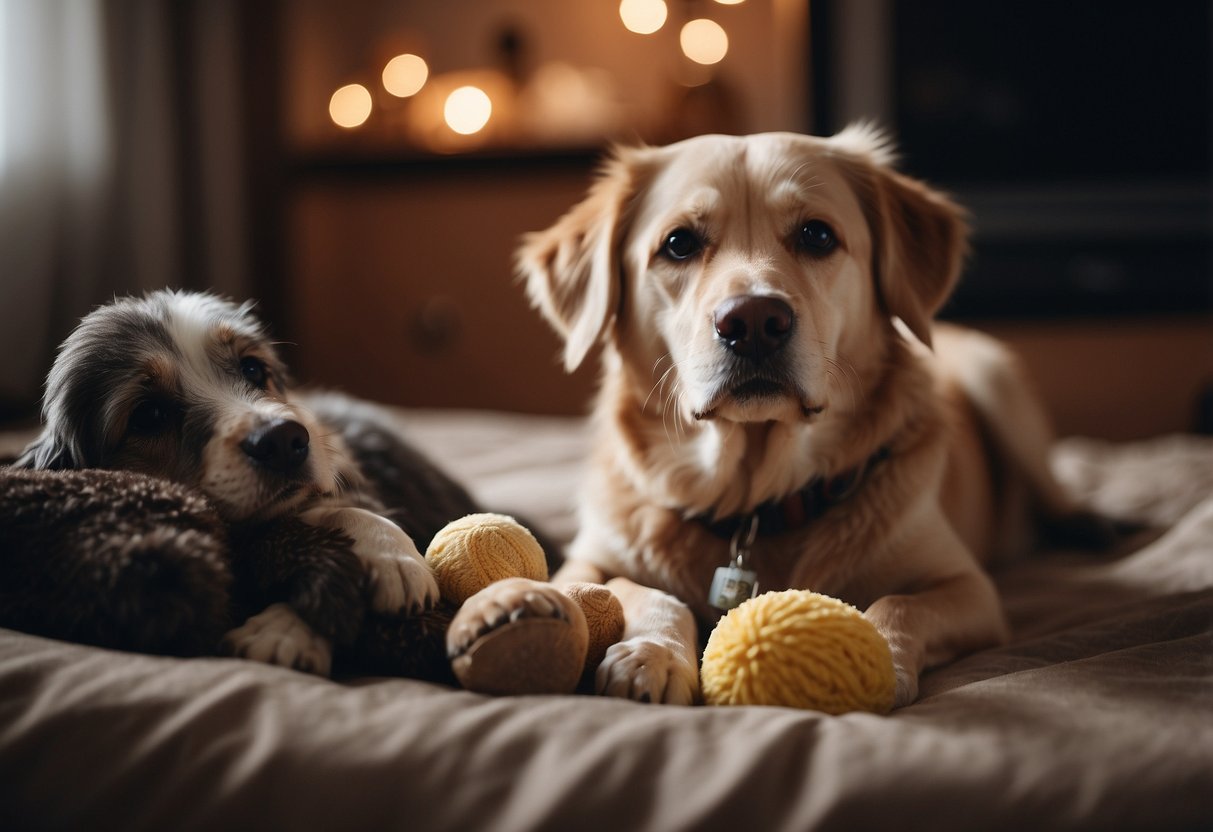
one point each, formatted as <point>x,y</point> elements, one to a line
<point>474,551</point>
<point>603,618</point>
<point>798,649</point>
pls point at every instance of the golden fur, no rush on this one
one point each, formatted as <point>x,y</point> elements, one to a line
<point>685,428</point>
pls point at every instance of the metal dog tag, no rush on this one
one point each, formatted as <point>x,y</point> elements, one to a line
<point>734,584</point>
<point>731,586</point>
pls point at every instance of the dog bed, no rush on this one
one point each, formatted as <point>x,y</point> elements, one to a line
<point>1097,715</point>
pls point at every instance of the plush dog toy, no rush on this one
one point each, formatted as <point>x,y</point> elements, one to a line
<point>548,652</point>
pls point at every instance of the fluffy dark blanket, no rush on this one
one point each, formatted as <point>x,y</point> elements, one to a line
<point>126,561</point>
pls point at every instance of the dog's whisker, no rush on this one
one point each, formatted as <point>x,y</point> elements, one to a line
<point>676,399</point>
<point>668,385</point>
<point>656,388</point>
<point>670,389</point>
<point>671,408</point>
<point>849,378</point>
<point>856,384</point>
<point>846,382</point>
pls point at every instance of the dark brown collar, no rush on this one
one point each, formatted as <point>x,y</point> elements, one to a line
<point>798,509</point>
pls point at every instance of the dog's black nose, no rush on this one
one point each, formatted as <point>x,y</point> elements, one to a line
<point>754,326</point>
<point>280,445</point>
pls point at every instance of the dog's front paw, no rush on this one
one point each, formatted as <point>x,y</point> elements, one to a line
<point>648,671</point>
<point>279,636</point>
<point>907,687</point>
<point>905,673</point>
<point>400,581</point>
<point>397,574</point>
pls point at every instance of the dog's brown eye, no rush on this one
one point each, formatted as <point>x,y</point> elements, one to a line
<point>681,244</point>
<point>150,416</point>
<point>816,237</point>
<point>253,370</point>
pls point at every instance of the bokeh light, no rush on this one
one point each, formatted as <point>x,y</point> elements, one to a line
<point>405,75</point>
<point>467,110</point>
<point>644,17</point>
<point>704,41</point>
<point>350,106</point>
<point>729,2</point>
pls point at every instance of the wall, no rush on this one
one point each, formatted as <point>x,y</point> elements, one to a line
<point>1122,378</point>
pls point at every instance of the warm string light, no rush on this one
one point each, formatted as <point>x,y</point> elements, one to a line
<point>644,17</point>
<point>467,110</point>
<point>704,41</point>
<point>405,75</point>
<point>350,106</point>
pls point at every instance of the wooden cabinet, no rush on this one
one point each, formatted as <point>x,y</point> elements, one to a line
<point>401,284</point>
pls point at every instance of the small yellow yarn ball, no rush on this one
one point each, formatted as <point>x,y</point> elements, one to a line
<point>798,649</point>
<point>474,551</point>
<point>603,617</point>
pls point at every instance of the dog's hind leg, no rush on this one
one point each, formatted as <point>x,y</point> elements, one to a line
<point>1014,420</point>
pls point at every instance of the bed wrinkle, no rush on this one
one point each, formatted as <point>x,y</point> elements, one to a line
<point>1154,481</point>
<point>1079,772</point>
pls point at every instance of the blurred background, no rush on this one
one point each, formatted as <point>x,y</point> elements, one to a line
<point>365,169</point>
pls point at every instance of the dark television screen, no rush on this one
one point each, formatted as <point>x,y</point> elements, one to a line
<point>1079,133</point>
<point>1054,89</point>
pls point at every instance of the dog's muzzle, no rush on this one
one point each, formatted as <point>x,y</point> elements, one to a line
<point>755,330</point>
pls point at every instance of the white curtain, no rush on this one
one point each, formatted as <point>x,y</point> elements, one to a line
<point>119,164</point>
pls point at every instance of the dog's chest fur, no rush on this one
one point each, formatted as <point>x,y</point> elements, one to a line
<point>657,540</point>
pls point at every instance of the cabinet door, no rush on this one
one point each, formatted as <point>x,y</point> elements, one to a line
<point>403,290</point>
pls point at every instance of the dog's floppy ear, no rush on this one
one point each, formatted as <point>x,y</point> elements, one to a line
<point>572,270</point>
<point>919,236</point>
<point>48,452</point>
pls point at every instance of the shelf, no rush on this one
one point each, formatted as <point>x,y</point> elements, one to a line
<point>361,163</point>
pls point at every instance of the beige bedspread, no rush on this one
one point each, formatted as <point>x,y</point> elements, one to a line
<point>1098,714</point>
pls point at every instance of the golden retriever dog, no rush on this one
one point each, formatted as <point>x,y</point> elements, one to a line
<point>772,414</point>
